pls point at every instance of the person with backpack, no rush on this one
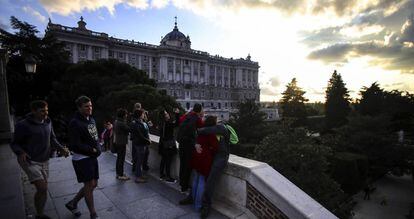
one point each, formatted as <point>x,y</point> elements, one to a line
<point>186,137</point>
<point>225,135</point>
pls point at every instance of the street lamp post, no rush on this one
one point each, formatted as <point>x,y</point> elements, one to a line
<point>5,119</point>
<point>6,122</point>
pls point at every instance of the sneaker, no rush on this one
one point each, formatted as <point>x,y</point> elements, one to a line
<point>140,180</point>
<point>123,177</point>
<point>183,190</point>
<point>204,212</point>
<point>42,217</point>
<point>187,201</point>
<point>73,208</point>
<point>94,216</point>
<point>170,180</point>
<point>162,177</point>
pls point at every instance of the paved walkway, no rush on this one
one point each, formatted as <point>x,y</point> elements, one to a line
<point>398,193</point>
<point>113,198</point>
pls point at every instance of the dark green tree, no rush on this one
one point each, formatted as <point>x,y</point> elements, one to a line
<point>248,122</point>
<point>371,136</point>
<point>151,99</point>
<point>337,102</point>
<point>52,60</point>
<point>293,102</point>
<point>397,105</point>
<point>303,161</point>
<point>372,100</point>
<point>110,84</point>
<point>400,106</point>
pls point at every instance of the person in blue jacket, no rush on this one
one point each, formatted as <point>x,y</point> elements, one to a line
<point>83,142</point>
<point>31,143</point>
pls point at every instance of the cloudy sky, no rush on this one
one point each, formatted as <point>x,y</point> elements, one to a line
<point>366,41</point>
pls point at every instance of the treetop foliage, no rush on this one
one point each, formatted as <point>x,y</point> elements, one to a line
<point>248,121</point>
<point>337,102</point>
<point>293,102</point>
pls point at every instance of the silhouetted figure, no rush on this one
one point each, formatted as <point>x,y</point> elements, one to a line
<point>367,192</point>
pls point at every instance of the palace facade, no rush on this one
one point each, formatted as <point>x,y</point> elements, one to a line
<point>191,76</point>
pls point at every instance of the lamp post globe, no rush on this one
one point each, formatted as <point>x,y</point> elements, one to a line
<point>30,64</point>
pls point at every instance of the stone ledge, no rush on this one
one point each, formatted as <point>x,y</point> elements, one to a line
<point>11,196</point>
<point>231,192</point>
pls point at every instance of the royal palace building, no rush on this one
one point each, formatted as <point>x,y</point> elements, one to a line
<point>191,76</point>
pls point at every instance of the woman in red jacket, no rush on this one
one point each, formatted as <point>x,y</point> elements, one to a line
<point>202,160</point>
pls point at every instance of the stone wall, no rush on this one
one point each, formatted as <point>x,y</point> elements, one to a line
<point>260,206</point>
<point>253,189</point>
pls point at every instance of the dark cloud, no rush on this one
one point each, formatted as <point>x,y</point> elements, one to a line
<point>377,14</point>
<point>333,53</point>
<point>340,7</point>
<point>407,31</point>
<point>290,6</point>
<point>393,47</point>
<point>396,55</point>
<point>325,35</point>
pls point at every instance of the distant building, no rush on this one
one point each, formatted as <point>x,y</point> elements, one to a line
<point>189,75</point>
<point>272,114</point>
<point>271,109</point>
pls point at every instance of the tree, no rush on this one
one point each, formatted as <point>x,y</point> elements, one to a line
<point>152,99</point>
<point>303,161</point>
<point>371,136</point>
<point>293,102</point>
<point>337,102</point>
<point>397,105</point>
<point>400,106</point>
<point>372,100</point>
<point>248,122</point>
<point>110,84</point>
<point>52,60</point>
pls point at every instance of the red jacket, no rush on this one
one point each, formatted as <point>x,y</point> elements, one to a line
<point>199,122</point>
<point>201,162</point>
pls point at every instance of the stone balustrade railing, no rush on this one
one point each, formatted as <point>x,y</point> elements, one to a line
<point>253,189</point>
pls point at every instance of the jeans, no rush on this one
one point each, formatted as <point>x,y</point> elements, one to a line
<point>134,157</point>
<point>120,159</point>
<point>219,163</point>
<point>145,162</point>
<point>140,154</point>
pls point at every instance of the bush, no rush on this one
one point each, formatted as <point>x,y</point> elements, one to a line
<point>350,171</point>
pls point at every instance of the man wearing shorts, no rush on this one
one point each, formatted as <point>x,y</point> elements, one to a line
<point>83,141</point>
<point>32,141</point>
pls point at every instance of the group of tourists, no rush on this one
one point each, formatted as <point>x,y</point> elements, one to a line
<point>203,150</point>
